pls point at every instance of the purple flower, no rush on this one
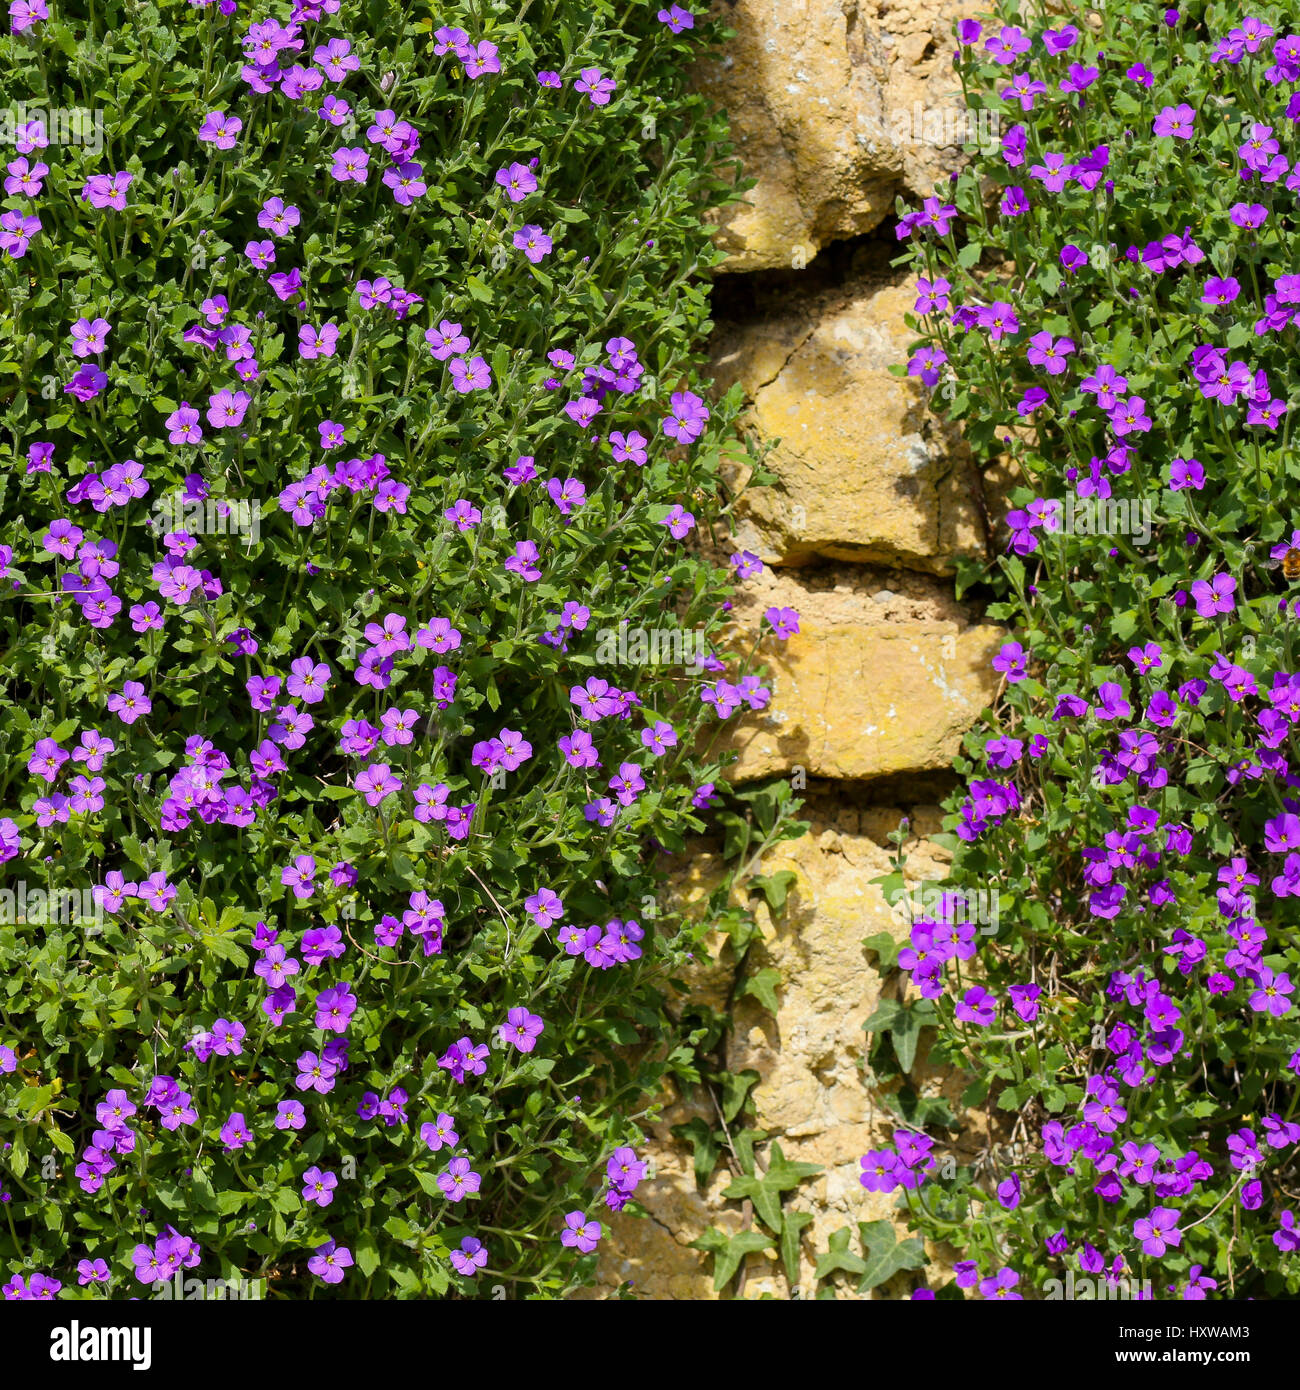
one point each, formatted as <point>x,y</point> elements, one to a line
<point>329,1261</point>
<point>518,181</point>
<point>1001,1285</point>
<point>107,190</point>
<point>479,58</point>
<point>689,414</point>
<point>1175,121</point>
<point>533,242</point>
<point>1215,596</point>
<point>1159,1231</point>
<point>471,375</point>
<point>318,1187</point>
<point>522,1029</point>
<point>459,1180</point>
<point>597,88</point>
<point>131,704</point>
<point>220,130</point>
<point>470,1258</point>
<point>579,1232</point>
<point>1271,989</point>
<point>977,1006</point>
<point>440,1133</point>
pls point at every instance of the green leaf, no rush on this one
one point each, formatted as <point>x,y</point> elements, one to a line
<point>365,1251</point>
<point>904,1034</point>
<point>765,1190</point>
<point>885,1254</point>
<point>704,1144</point>
<point>728,1252</point>
<point>762,985</point>
<point>736,1087</point>
<point>793,1222</point>
<point>885,948</point>
<point>775,887</point>
<point>839,1256</point>
<point>883,1016</point>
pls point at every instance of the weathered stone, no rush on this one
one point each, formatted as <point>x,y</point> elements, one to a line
<point>865,472</point>
<point>814,1096</point>
<point>834,111</point>
<point>870,686</point>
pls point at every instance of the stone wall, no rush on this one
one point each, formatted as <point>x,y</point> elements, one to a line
<point>836,109</point>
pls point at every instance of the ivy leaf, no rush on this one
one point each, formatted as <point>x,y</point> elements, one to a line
<point>839,1256</point>
<point>775,887</point>
<point>704,1144</point>
<point>762,985</point>
<point>885,948</point>
<point>765,1190</point>
<point>792,1223</point>
<point>882,1018</point>
<point>736,1087</point>
<point>905,1031</point>
<point>728,1252</point>
<point>886,1255</point>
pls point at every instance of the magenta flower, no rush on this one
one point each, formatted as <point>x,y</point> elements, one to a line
<point>580,1233</point>
<point>307,680</point>
<point>1001,1285</point>
<point>524,561</point>
<point>329,1261</point>
<point>87,382</point>
<point>678,521</point>
<point>318,1187</point>
<point>459,1180</point>
<point>350,165</point>
<point>1271,989</point>
<point>1159,1231</point>
<point>440,1133</point>
<point>131,704</point>
<point>977,1006</point>
<point>533,242</point>
<point>472,375</point>
<point>1049,353</point>
<point>226,408</point>
<point>89,336</point>
<point>1287,1236</point>
<point>446,340</point>
<point>1175,121</point>
<point>107,190</point>
<point>522,1029</point>
<point>598,89</point>
<point>377,782</point>
<point>676,18</point>
<point>1215,596</point>
<point>517,180</point>
<point>688,417</point>
<point>301,877</point>
<point>277,218</point>
<point>479,58</point>
<point>317,342</point>
<point>470,1257</point>
<point>220,130</point>
<point>407,182</point>
<point>23,14</point>
<point>784,621</point>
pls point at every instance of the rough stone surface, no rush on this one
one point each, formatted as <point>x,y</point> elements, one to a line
<point>835,107</point>
<point>865,472</point>
<point>885,675</point>
<point>814,1095</point>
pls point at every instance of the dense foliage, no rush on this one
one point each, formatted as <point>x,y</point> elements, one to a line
<point>350,391</point>
<point>1109,301</point>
